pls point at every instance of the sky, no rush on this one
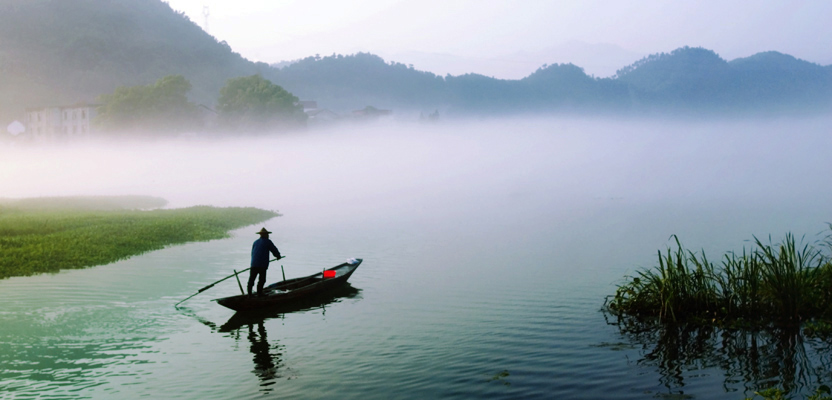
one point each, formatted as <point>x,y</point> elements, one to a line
<point>510,39</point>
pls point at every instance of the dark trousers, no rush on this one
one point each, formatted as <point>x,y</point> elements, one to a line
<point>253,273</point>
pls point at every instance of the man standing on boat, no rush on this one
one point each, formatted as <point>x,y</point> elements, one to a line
<point>260,260</point>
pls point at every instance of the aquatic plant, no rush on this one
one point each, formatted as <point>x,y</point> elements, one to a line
<point>746,359</point>
<point>770,283</point>
<point>748,313</point>
<point>821,393</point>
<point>39,239</point>
<point>500,377</point>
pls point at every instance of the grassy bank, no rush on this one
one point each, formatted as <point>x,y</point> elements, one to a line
<point>783,283</point>
<point>50,234</point>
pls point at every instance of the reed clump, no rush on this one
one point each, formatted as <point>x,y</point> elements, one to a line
<point>47,236</point>
<point>781,283</point>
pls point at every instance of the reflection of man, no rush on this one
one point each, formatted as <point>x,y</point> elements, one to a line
<point>260,260</point>
<point>264,365</point>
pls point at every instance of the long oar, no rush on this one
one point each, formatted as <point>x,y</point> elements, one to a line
<point>227,277</point>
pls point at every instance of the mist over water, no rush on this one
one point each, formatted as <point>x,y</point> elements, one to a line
<point>489,245</point>
<point>501,168</point>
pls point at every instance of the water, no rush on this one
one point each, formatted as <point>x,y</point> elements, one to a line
<point>488,249</point>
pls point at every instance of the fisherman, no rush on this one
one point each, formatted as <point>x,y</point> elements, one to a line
<point>260,260</point>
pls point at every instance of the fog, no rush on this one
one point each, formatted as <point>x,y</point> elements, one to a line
<point>487,244</point>
<point>503,170</point>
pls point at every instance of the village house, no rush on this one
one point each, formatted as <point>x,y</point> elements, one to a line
<point>317,116</point>
<point>51,123</point>
<point>308,105</point>
<point>371,112</point>
<point>321,115</point>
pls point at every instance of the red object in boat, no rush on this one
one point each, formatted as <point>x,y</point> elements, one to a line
<point>329,274</point>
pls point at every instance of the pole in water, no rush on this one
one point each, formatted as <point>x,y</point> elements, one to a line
<point>238,282</point>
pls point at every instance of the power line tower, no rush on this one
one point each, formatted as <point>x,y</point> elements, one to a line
<point>206,13</point>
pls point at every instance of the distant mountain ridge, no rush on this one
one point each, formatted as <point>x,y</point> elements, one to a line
<point>697,78</point>
<point>69,51</point>
<point>597,59</point>
<point>684,80</point>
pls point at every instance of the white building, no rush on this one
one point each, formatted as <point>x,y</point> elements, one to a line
<point>16,128</point>
<point>52,123</point>
<point>321,115</point>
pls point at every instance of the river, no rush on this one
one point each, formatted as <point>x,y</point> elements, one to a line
<point>488,249</point>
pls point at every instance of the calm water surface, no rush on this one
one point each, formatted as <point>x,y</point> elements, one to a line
<point>488,249</point>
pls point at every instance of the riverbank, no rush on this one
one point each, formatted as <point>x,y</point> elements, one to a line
<point>43,235</point>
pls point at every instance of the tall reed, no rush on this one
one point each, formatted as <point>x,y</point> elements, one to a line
<point>790,279</point>
<point>770,283</point>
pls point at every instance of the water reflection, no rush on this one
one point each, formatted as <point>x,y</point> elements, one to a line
<point>748,359</point>
<point>267,354</point>
<point>266,362</point>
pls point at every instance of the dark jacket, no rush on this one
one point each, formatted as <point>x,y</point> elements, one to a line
<point>260,252</point>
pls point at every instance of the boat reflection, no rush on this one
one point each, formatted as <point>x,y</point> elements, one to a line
<point>242,318</point>
<point>750,360</point>
<point>267,354</point>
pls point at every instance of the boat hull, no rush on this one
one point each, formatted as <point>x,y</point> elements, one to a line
<point>292,290</point>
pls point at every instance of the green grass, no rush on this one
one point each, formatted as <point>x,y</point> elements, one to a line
<point>782,283</point>
<point>51,234</point>
<point>90,203</point>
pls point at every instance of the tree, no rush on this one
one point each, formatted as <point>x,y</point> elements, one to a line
<point>252,102</point>
<point>159,108</point>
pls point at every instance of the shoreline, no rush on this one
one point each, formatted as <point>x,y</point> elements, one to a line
<point>47,235</point>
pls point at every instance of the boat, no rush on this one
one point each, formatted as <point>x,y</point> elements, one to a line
<point>293,290</point>
<point>318,301</point>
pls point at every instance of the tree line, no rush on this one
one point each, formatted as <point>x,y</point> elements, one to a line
<point>250,103</point>
<point>685,80</point>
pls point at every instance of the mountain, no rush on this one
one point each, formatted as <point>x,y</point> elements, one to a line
<point>68,51</point>
<point>773,77</point>
<point>696,78</point>
<point>61,52</point>
<point>684,78</point>
<point>345,83</point>
<point>600,60</point>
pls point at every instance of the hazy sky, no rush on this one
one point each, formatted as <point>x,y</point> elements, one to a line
<point>512,38</point>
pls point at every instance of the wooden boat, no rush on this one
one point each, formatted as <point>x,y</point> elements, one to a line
<point>318,301</point>
<point>293,290</point>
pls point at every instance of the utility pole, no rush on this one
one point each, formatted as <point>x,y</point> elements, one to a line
<point>206,13</point>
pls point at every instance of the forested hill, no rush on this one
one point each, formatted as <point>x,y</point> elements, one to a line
<point>55,52</point>
<point>696,78</point>
<point>351,82</point>
<point>341,82</point>
<point>59,52</point>
<point>684,80</point>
